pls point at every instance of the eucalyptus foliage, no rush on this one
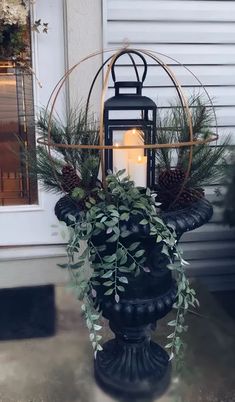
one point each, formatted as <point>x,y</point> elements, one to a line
<point>106,227</point>
<point>186,298</point>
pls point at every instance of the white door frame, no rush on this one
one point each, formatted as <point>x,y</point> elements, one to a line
<point>37,224</point>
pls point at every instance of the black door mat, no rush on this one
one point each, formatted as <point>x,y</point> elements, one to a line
<point>27,312</point>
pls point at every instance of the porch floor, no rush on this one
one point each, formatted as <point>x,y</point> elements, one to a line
<point>60,368</point>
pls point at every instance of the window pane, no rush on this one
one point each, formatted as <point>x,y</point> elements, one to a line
<point>17,185</point>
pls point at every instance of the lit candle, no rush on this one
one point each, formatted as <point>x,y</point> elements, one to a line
<point>120,159</point>
<point>138,171</point>
<point>134,137</point>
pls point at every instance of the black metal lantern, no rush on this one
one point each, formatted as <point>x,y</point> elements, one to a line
<point>130,116</point>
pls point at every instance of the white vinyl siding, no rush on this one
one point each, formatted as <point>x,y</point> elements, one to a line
<point>200,35</point>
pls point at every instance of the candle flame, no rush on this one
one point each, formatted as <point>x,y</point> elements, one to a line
<point>116,144</point>
<point>139,158</point>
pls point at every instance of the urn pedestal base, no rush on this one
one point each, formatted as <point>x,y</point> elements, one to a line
<point>133,369</point>
<point>131,365</point>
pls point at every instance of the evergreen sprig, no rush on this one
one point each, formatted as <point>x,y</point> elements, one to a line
<point>79,129</point>
<point>47,164</point>
<point>173,127</point>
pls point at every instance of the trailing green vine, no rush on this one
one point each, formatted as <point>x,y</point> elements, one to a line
<point>186,298</point>
<point>101,251</point>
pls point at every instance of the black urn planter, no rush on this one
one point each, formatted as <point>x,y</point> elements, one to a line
<point>131,364</point>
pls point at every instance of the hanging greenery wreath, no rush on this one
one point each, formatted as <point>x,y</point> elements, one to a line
<point>14,28</point>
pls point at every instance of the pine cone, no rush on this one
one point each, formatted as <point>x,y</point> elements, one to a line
<point>70,179</point>
<point>187,197</point>
<point>169,186</point>
<point>171,178</point>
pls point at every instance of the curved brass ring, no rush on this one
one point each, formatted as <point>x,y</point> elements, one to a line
<point>101,147</point>
<point>43,141</point>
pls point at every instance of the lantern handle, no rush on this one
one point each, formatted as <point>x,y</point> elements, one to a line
<point>129,53</point>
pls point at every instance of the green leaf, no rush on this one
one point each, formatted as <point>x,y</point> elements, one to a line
<point>92,200</point>
<point>63,265</point>
<point>169,345</point>
<point>120,253</point>
<point>120,172</point>
<point>185,304</point>
<point>125,216</point>
<point>139,253</point>
<point>160,221</point>
<point>117,298</point>
<point>108,283</point>
<point>115,213</point>
<point>97,327</point>
<point>77,265</point>
<point>89,324</point>
<point>171,336</point>
<point>132,267</point>
<point>159,239</point>
<point>123,260</point>
<point>107,274</point>
<point>95,283</point>
<point>121,288</point>
<point>71,218</point>
<point>110,258</point>
<point>111,223</point>
<point>172,323</point>
<point>99,215</point>
<point>124,208</point>
<point>109,292</point>
<point>96,232</point>
<point>124,269</point>
<point>100,225</point>
<point>113,238</point>
<point>142,260</point>
<point>111,207</point>
<point>125,233</point>
<point>95,316</point>
<point>144,222</point>
<point>85,253</point>
<point>123,279</point>
<point>116,230</point>
<point>101,248</point>
<point>133,246</point>
<point>165,251</point>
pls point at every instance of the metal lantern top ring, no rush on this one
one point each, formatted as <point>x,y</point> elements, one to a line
<point>104,145</point>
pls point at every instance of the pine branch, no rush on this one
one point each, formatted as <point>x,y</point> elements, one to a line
<point>77,130</point>
<point>47,166</point>
<point>207,159</point>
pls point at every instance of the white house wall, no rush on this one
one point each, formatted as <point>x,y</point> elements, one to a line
<point>200,35</point>
<point>84,36</point>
